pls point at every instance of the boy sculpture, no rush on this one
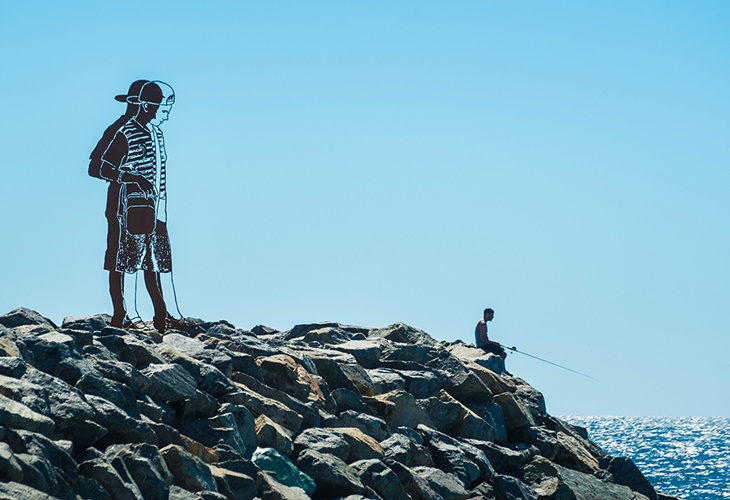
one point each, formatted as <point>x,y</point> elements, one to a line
<point>131,157</point>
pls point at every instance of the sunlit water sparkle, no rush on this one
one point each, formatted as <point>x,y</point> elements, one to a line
<point>688,457</point>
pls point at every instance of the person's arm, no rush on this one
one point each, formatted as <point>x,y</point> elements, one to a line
<point>114,169</point>
<point>96,155</point>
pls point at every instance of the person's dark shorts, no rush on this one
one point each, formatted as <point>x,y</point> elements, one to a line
<point>494,349</point>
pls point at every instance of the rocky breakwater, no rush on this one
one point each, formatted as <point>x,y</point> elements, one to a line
<point>323,410</point>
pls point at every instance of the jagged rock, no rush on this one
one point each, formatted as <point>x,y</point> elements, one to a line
<point>625,471</point>
<point>172,355</point>
<point>309,413</point>
<point>178,493</point>
<point>260,405</point>
<point>463,460</point>
<point>546,441</point>
<point>405,411</point>
<point>580,434</point>
<point>93,323</point>
<point>284,373</point>
<point>188,471</point>
<point>236,340</point>
<point>37,471</point>
<point>330,370</point>
<point>420,455</point>
<point>24,316</point>
<point>246,425</point>
<point>19,416</point>
<point>184,344</point>
<point>483,491</point>
<point>56,399</point>
<point>323,441</point>
<point>117,485</point>
<point>572,454</point>
<point>211,431</point>
<point>422,384</point>
<point>233,484</point>
<point>16,491</point>
<point>533,398</point>
<point>13,367</point>
<point>366,352</point>
<point>156,410</point>
<point>550,480</point>
<point>272,435</point>
<point>302,330</point>
<point>139,351</point>
<point>370,425</point>
<point>328,335</point>
<point>347,400</point>
<point>206,454</point>
<point>413,484</point>
<point>361,446</point>
<point>285,472</point>
<point>107,365</point>
<point>114,392</point>
<point>458,380</point>
<point>86,433</point>
<point>259,330</point>
<point>213,381</point>
<point>271,489</point>
<point>511,488</point>
<point>491,379</point>
<point>397,351</point>
<point>81,338</point>
<point>333,477</point>
<point>166,434</point>
<point>245,363</point>
<point>378,476</point>
<point>400,332</point>
<point>122,428</point>
<point>397,447</point>
<point>504,460</point>
<point>400,366</point>
<point>10,468</point>
<point>8,347</point>
<point>359,376</point>
<point>202,405</point>
<point>445,484</point>
<point>88,488</point>
<point>146,467</point>
<point>57,355</point>
<point>443,412</point>
<point>466,423</point>
<point>516,414</point>
<point>218,358</point>
<point>166,382</point>
<point>467,352</point>
<point>386,380</point>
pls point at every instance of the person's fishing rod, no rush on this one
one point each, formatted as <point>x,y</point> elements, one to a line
<point>514,349</point>
<point>482,341</point>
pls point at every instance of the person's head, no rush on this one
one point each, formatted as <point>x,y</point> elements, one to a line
<point>488,314</point>
<point>134,90</point>
<point>155,101</point>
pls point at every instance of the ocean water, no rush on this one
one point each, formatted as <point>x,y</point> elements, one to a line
<point>688,457</point>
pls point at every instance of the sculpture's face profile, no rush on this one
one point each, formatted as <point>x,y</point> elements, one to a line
<point>168,99</point>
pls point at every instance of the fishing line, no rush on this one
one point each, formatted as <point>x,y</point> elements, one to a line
<point>514,349</point>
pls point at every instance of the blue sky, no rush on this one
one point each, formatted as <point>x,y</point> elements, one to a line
<point>565,163</point>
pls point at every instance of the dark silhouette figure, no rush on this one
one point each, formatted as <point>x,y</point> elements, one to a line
<point>131,157</point>
<point>482,339</point>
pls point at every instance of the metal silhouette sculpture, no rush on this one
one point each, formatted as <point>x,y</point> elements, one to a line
<point>131,157</point>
